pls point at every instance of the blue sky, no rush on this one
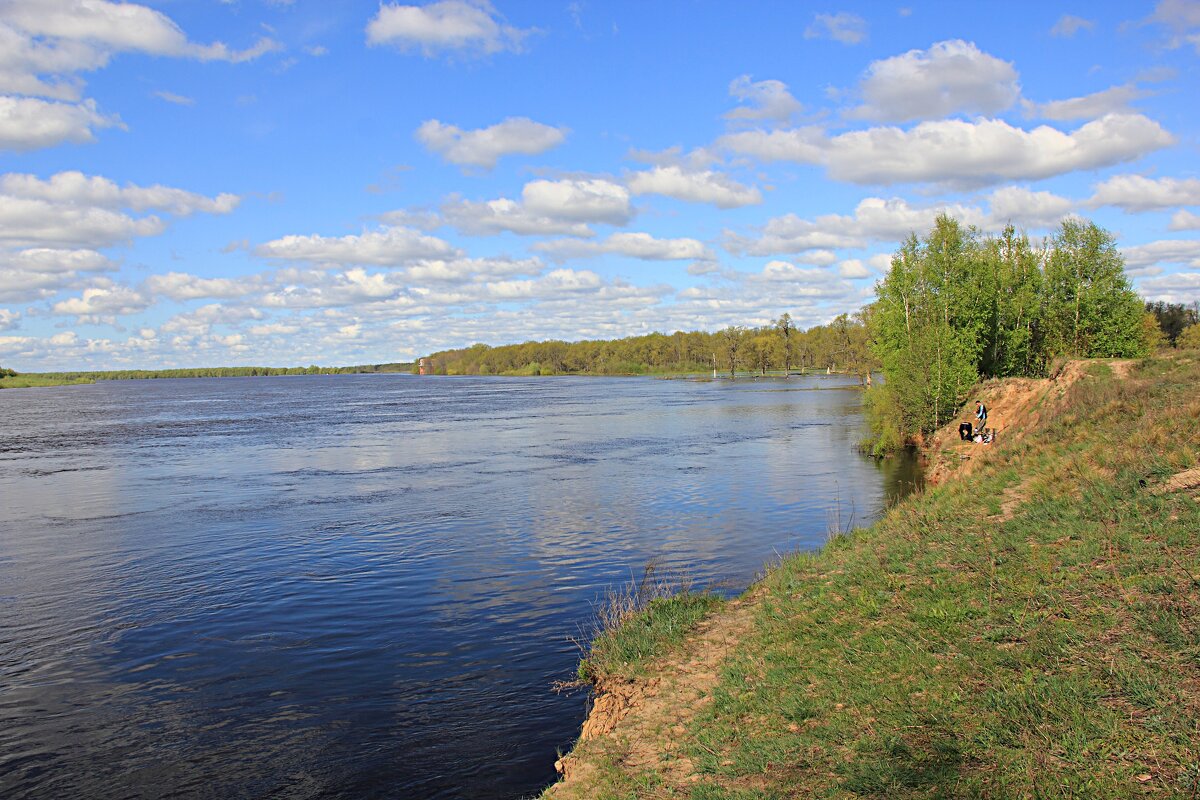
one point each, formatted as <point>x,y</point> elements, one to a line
<point>195,182</point>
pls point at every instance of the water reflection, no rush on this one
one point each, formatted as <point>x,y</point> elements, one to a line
<point>363,586</point>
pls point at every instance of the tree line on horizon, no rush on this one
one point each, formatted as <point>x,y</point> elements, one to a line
<point>840,346</point>
<point>209,372</point>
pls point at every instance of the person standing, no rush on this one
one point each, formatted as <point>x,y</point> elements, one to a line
<point>980,415</point>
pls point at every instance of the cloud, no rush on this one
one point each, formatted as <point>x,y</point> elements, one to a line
<point>1164,251</point>
<point>75,188</point>
<point>76,30</point>
<point>1183,19</point>
<point>1112,100</point>
<point>958,152</point>
<point>27,123</point>
<point>9,319</point>
<point>177,99</point>
<point>633,245</point>
<point>199,322</point>
<point>1026,208</point>
<point>765,100</point>
<point>385,247</point>
<point>1183,220</point>
<point>52,261</point>
<point>485,146</point>
<point>853,268</point>
<point>874,219</point>
<point>101,302</point>
<point>703,186</point>
<point>842,27</point>
<point>1137,193</point>
<point>950,77</point>
<point>45,44</point>
<point>546,207</point>
<point>25,222</point>
<point>591,200</point>
<point>468,270</point>
<point>1068,25</point>
<point>182,286</point>
<point>785,271</point>
<point>1177,287</point>
<point>40,273</point>
<point>472,28</point>
<point>805,145</point>
<point>502,214</point>
<point>71,210</point>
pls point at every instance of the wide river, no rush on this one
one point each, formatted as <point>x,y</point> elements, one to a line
<point>363,586</point>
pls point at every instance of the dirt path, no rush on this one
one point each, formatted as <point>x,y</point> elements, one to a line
<point>639,725</point>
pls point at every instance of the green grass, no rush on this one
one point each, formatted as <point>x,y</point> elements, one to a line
<point>626,650</point>
<point>31,381</point>
<point>947,653</point>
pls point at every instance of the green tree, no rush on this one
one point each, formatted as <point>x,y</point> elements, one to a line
<point>927,325</point>
<point>731,339</point>
<point>1091,311</point>
<point>1189,338</point>
<point>783,326</point>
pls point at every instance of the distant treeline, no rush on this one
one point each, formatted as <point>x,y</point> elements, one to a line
<point>218,372</point>
<point>840,346</point>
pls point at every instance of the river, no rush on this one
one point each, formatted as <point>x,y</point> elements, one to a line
<point>362,586</point>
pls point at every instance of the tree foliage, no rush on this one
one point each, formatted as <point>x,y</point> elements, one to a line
<point>1174,318</point>
<point>840,346</point>
<point>957,306</point>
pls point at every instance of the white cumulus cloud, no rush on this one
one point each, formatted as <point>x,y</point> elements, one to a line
<point>764,100</point>
<point>463,26</point>
<point>950,77</point>
<point>483,147</point>
<point>385,247</point>
<point>1183,220</point>
<point>99,302</point>
<point>958,152</point>
<point>92,190</point>
<point>29,123</point>
<point>1139,193</point>
<point>46,44</point>
<point>1090,106</point>
<point>633,245</point>
<point>700,186</point>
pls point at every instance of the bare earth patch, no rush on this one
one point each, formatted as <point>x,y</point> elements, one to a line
<point>1181,482</point>
<point>639,724</point>
<point>1015,405</point>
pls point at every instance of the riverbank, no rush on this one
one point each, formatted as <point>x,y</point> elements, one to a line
<point>1026,628</point>
<point>34,381</point>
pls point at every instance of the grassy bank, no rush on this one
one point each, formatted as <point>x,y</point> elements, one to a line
<point>31,381</point>
<point>640,622</point>
<point>1026,630</point>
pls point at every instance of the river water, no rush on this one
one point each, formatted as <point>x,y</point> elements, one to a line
<point>363,586</point>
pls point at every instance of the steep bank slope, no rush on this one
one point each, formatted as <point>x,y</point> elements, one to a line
<point>1029,631</point>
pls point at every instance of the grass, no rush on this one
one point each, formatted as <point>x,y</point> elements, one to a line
<point>31,381</point>
<point>640,622</point>
<point>950,652</point>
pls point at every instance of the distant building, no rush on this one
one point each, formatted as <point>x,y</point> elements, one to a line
<point>423,364</point>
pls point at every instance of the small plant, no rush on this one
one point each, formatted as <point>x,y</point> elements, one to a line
<point>640,620</point>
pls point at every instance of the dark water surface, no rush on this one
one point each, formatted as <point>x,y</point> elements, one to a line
<point>363,586</point>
